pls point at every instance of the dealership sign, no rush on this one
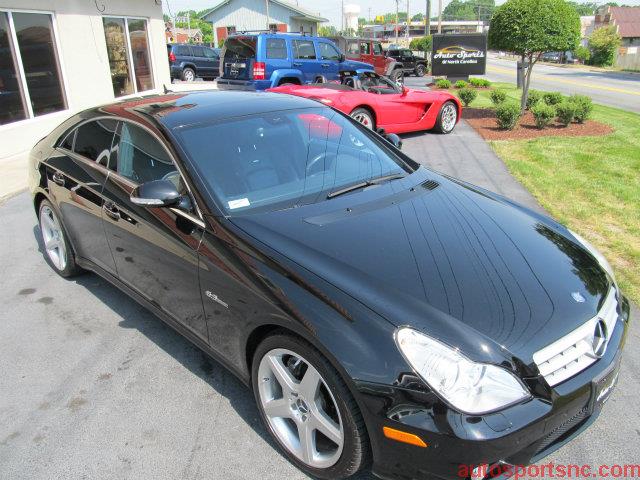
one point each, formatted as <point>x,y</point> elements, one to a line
<point>459,55</point>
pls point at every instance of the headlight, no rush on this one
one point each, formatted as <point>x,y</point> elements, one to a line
<point>598,256</point>
<point>468,386</point>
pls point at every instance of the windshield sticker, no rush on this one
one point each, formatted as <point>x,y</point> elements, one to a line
<point>239,203</point>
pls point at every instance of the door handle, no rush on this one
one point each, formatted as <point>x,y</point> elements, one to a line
<point>58,178</point>
<point>111,210</point>
<point>326,65</point>
<point>297,64</point>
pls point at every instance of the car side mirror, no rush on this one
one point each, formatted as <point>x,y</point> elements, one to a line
<point>394,139</point>
<point>342,57</point>
<point>404,90</point>
<point>157,193</point>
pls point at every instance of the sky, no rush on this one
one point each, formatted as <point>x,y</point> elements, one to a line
<point>331,8</point>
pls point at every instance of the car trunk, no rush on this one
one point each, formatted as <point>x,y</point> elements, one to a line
<point>238,56</point>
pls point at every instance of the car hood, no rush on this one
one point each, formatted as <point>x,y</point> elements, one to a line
<point>462,264</point>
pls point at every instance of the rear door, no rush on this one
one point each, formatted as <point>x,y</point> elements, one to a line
<point>305,59</point>
<point>329,59</point>
<point>238,55</point>
<point>213,60</point>
<point>277,54</point>
<point>203,66</point>
<point>76,175</point>
<point>155,249</point>
<point>379,60</point>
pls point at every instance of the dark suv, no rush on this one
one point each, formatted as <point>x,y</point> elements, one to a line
<point>186,62</point>
<point>266,60</point>
<point>410,63</point>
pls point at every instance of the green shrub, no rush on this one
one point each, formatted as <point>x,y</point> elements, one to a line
<point>543,114</point>
<point>507,114</point>
<point>461,84</point>
<point>582,53</point>
<point>534,97</point>
<point>498,96</point>
<point>565,112</point>
<point>604,43</point>
<point>583,105</point>
<point>443,83</point>
<point>479,82</point>
<point>553,98</point>
<point>467,95</point>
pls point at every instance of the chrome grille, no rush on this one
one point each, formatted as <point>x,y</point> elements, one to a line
<point>573,353</point>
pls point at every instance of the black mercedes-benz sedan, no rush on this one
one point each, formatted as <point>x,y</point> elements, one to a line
<point>380,312</point>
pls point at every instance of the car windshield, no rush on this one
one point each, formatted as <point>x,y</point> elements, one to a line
<point>277,160</point>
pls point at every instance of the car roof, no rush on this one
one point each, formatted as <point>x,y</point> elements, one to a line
<point>176,109</point>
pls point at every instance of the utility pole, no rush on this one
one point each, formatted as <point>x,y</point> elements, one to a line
<point>266,2</point>
<point>397,11</point>
<point>439,16</point>
<point>427,20</point>
<point>342,17</point>
<point>369,14</point>
<point>408,21</point>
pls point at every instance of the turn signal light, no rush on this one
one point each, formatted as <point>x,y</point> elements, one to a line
<point>259,71</point>
<point>404,437</point>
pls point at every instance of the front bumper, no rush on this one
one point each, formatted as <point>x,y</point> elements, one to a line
<point>519,435</point>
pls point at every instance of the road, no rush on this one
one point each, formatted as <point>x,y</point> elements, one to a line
<point>94,386</point>
<point>616,89</point>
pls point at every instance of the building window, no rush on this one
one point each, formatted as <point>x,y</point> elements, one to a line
<point>30,77</point>
<point>129,58</point>
<point>231,30</point>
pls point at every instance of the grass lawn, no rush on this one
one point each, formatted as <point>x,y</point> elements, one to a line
<point>591,184</point>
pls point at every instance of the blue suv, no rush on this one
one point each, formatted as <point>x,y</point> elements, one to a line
<point>265,60</point>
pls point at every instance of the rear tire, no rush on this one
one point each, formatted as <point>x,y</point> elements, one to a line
<point>364,117</point>
<point>292,414</point>
<point>55,242</point>
<point>447,118</point>
<point>188,74</point>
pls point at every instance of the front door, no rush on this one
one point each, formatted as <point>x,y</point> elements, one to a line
<point>330,60</point>
<point>155,249</point>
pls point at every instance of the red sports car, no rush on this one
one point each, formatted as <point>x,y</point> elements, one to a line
<point>377,102</point>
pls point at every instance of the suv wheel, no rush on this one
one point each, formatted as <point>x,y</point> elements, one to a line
<point>397,76</point>
<point>421,70</point>
<point>188,74</point>
<point>308,409</point>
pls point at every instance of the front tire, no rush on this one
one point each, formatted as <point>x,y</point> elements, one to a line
<point>363,117</point>
<point>188,74</point>
<point>447,118</point>
<point>397,76</point>
<point>57,249</point>
<point>308,409</point>
<point>421,70</point>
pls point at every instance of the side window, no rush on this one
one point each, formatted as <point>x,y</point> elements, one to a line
<point>68,140</point>
<point>353,48</point>
<point>365,48</point>
<point>304,49</point>
<point>94,140</point>
<point>377,49</point>
<point>141,158</point>
<point>210,53</point>
<point>197,51</point>
<point>182,50</point>
<point>276,48</point>
<point>328,51</point>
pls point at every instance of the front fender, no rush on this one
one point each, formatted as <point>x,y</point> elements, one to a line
<point>281,73</point>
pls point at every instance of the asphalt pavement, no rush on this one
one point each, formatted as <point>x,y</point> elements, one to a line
<point>94,386</point>
<point>615,89</point>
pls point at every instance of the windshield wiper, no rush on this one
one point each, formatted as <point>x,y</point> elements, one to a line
<point>368,183</point>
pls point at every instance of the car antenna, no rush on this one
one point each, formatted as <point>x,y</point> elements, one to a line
<point>166,90</point>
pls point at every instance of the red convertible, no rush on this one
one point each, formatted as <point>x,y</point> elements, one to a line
<point>377,102</point>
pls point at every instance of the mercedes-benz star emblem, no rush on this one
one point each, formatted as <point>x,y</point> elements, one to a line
<point>599,342</point>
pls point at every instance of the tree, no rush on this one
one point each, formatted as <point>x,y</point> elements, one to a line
<point>604,43</point>
<point>529,28</point>
<point>583,9</point>
<point>582,53</point>
<point>327,31</point>
<point>469,10</point>
<point>422,44</point>
<point>418,17</point>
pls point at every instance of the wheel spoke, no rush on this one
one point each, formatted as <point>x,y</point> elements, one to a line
<point>310,384</point>
<point>46,219</point>
<point>327,427</point>
<point>278,408</point>
<point>282,374</point>
<point>307,442</point>
<point>52,243</point>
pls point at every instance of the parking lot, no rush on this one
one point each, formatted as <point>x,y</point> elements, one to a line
<point>94,386</point>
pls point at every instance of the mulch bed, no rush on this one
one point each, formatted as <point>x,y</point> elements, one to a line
<point>483,120</point>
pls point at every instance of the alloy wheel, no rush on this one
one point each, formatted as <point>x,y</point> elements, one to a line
<point>300,409</point>
<point>449,116</point>
<point>189,76</point>
<point>53,237</point>
<point>363,118</point>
